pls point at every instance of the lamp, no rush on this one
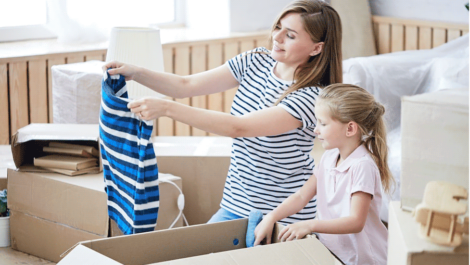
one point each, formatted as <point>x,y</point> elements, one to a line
<point>137,46</point>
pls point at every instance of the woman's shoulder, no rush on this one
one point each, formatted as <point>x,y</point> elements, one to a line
<point>310,92</point>
<point>259,52</point>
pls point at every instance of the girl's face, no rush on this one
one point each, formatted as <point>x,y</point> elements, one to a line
<point>330,132</point>
<point>292,45</point>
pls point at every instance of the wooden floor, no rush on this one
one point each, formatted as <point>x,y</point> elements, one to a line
<point>9,256</point>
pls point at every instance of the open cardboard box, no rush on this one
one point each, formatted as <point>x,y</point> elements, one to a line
<point>218,243</point>
<point>28,141</point>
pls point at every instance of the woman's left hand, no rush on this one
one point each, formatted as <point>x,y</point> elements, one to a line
<point>149,108</point>
<point>295,231</point>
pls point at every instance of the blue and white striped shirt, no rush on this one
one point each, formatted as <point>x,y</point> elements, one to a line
<point>264,171</point>
<point>129,163</point>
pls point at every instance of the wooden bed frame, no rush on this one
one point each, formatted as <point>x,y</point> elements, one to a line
<point>26,83</point>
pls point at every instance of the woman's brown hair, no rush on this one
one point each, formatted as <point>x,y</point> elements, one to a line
<point>348,103</point>
<point>323,24</point>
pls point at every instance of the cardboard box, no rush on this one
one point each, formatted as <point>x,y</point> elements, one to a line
<point>406,247</point>
<point>435,142</point>
<point>218,243</point>
<point>202,163</point>
<point>28,141</point>
<point>69,210</point>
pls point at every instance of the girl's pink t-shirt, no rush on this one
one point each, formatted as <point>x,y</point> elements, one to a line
<point>335,187</point>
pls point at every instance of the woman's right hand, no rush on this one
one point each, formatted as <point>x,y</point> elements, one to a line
<point>129,71</point>
<point>264,230</point>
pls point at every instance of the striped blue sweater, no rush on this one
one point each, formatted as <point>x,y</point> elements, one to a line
<point>129,163</point>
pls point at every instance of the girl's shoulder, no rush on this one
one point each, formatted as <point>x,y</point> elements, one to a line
<point>365,163</point>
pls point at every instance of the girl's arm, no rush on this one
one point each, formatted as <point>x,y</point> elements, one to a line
<point>293,204</point>
<point>216,80</point>
<point>266,122</point>
<point>354,223</point>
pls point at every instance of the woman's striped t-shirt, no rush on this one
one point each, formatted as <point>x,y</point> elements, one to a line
<point>264,171</point>
<point>129,164</point>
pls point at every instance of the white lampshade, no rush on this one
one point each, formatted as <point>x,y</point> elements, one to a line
<point>137,46</point>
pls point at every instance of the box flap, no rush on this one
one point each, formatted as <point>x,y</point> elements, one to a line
<point>217,243</point>
<point>177,243</point>
<point>79,202</point>
<point>449,98</point>
<point>305,251</point>
<point>51,131</point>
<point>82,255</point>
<point>28,141</point>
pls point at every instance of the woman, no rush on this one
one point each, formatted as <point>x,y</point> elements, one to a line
<point>272,116</point>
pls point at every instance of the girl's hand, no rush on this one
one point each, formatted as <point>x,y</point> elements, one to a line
<point>295,231</point>
<point>149,108</point>
<point>264,230</point>
<point>127,70</point>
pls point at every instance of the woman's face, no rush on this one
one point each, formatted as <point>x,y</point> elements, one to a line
<point>292,45</point>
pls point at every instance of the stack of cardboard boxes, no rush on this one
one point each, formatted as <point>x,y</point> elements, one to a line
<point>51,212</point>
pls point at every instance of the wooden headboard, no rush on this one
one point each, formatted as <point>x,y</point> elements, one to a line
<point>26,82</point>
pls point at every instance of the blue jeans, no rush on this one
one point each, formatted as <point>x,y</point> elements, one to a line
<point>223,215</point>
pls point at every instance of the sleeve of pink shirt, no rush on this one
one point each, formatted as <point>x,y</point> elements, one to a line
<point>365,176</point>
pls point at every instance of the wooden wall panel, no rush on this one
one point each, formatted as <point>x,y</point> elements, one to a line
<point>98,57</point>
<point>182,60</point>
<point>425,38</point>
<point>263,42</point>
<point>438,37</point>
<point>166,125</point>
<point>231,49</point>
<point>247,45</point>
<point>215,59</point>
<point>384,38</point>
<point>4,106</point>
<point>411,38</point>
<point>198,65</point>
<point>453,34</point>
<point>75,58</point>
<point>398,38</point>
<point>51,62</point>
<point>38,91</point>
<point>19,105</point>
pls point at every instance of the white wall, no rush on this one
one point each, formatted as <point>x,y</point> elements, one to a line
<point>437,10</point>
<point>254,15</point>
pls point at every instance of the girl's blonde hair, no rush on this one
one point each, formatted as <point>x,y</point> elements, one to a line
<point>348,103</point>
<point>323,24</point>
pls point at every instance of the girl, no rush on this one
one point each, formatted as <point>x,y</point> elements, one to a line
<point>347,181</point>
<point>272,116</point>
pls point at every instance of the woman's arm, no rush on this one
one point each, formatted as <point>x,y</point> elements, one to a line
<point>270,121</point>
<point>354,223</point>
<point>293,204</point>
<point>216,80</point>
